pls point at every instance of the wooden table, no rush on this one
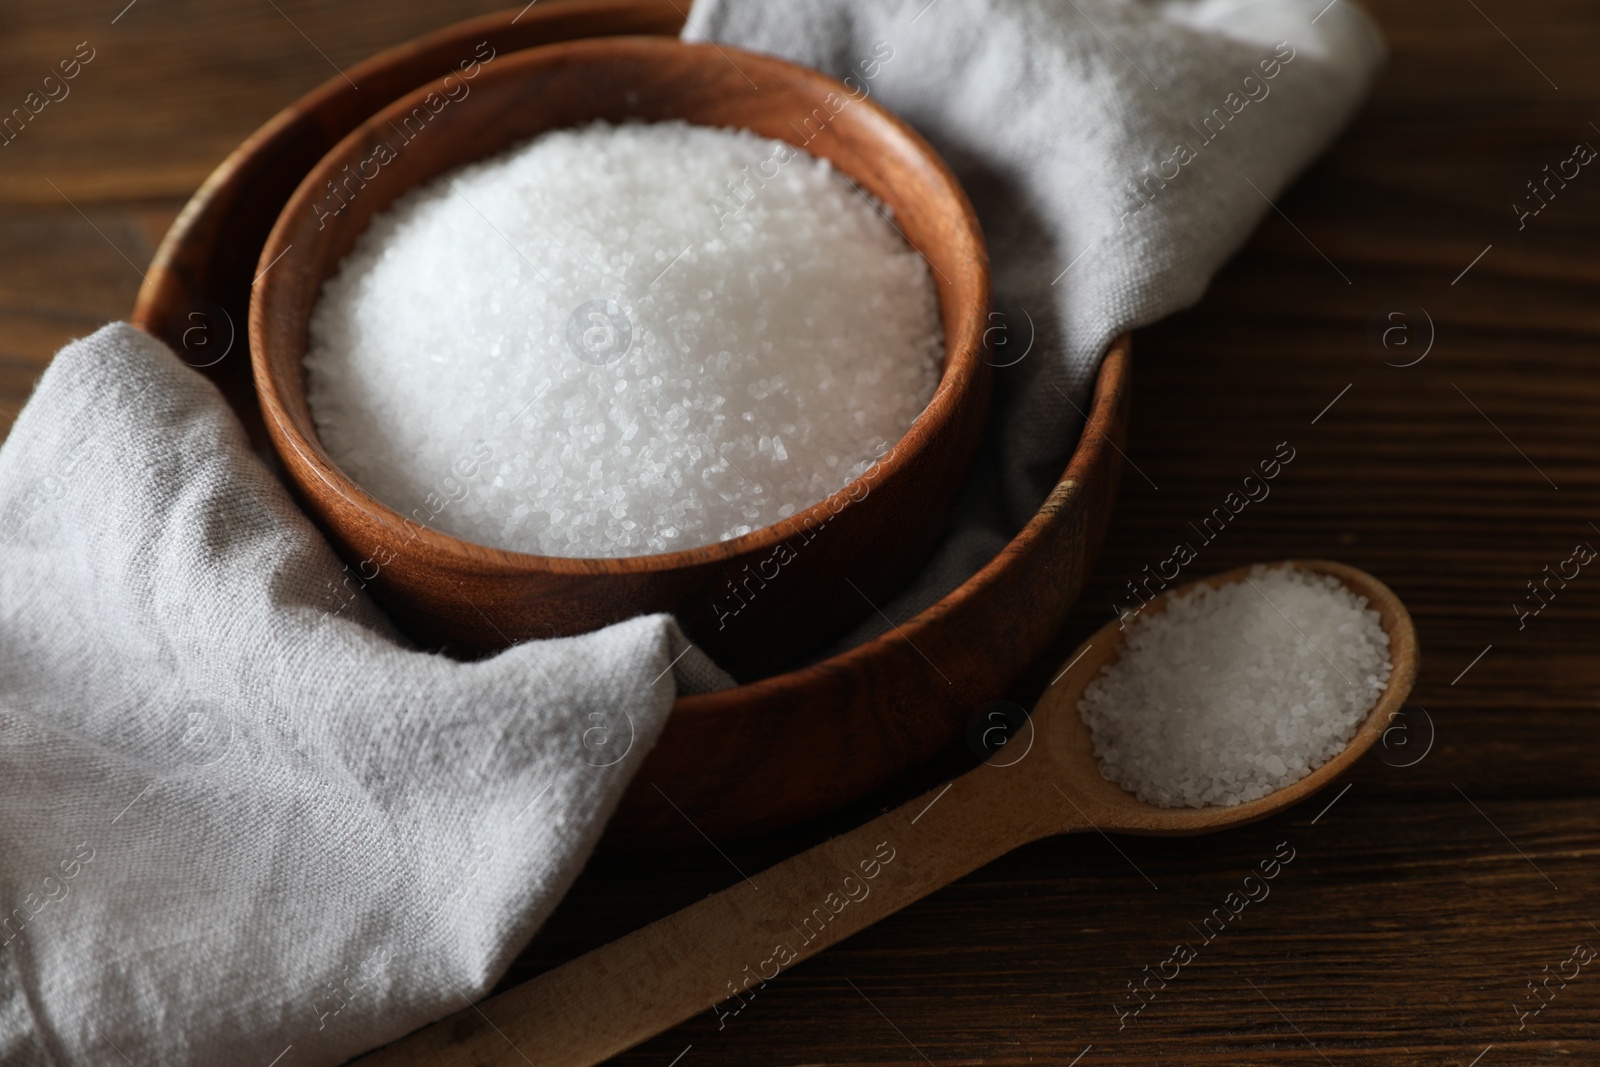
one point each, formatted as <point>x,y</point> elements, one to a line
<point>1424,899</point>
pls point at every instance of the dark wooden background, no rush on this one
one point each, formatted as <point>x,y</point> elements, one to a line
<point>1420,906</point>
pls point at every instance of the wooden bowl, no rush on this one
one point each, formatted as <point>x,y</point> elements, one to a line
<point>744,760</point>
<point>753,603</point>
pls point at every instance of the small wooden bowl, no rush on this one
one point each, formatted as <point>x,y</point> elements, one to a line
<point>756,602</point>
<point>744,760</point>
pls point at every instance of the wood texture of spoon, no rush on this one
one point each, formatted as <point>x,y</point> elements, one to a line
<point>640,985</point>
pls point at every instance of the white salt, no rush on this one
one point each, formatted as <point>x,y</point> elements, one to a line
<point>1229,694</point>
<point>569,350</point>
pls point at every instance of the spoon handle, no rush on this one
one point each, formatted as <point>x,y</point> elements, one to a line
<point>727,947</point>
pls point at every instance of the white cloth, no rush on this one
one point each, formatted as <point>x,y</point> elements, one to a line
<point>240,820</point>
<point>1063,120</point>
<point>234,817</point>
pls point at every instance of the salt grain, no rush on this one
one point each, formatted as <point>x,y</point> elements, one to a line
<point>648,373</point>
<point>1229,694</point>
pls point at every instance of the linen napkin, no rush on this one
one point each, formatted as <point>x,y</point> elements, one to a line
<point>238,819</point>
<point>1117,153</point>
<point>241,822</point>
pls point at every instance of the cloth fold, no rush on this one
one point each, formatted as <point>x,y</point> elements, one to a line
<point>242,822</point>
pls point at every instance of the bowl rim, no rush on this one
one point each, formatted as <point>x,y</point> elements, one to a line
<point>963,353</point>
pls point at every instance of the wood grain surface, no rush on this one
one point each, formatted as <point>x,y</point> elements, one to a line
<point>1418,906</point>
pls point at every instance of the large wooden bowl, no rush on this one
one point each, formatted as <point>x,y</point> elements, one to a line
<point>754,603</point>
<point>760,756</point>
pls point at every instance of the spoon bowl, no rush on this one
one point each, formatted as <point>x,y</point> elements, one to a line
<point>616,996</point>
<point>1071,748</point>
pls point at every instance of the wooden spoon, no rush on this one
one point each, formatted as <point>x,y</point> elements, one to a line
<point>731,943</point>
